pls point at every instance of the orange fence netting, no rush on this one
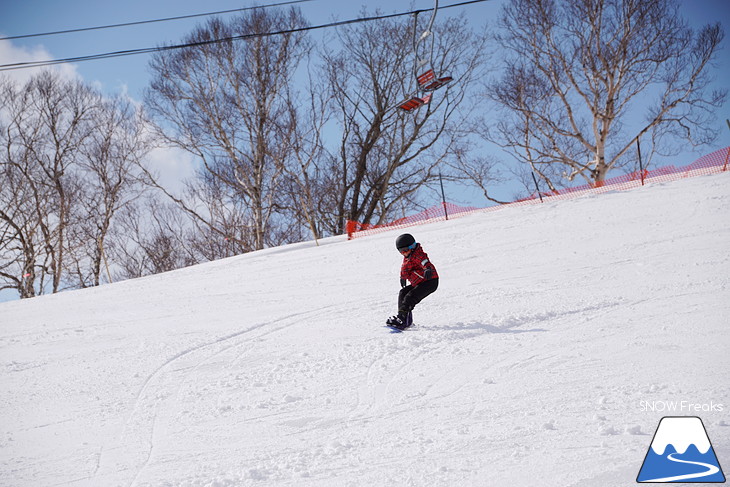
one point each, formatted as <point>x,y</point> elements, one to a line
<point>713,163</point>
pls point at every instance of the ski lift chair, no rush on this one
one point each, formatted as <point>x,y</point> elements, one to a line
<point>429,82</point>
<point>414,102</point>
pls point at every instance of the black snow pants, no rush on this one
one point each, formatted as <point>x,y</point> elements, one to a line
<point>410,296</point>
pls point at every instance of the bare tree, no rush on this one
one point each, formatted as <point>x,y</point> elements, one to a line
<point>304,186</point>
<point>60,115</point>
<point>232,215</point>
<point>25,200</point>
<point>20,246</point>
<point>47,123</point>
<point>225,102</point>
<point>480,171</point>
<point>17,245</point>
<point>151,237</point>
<point>108,165</point>
<point>385,155</point>
<point>576,70</point>
<point>66,167</point>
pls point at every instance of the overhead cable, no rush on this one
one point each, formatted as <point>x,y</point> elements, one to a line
<point>141,22</point>
<point>148,50</point>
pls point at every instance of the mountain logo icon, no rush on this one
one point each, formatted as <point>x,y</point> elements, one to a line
<point>681,452</point>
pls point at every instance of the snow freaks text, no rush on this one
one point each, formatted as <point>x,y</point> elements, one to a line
<point>680,406</point>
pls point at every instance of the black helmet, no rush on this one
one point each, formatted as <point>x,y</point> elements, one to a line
<point>404,241</point>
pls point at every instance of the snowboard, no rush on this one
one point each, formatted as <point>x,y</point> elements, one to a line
<point>394,329</point>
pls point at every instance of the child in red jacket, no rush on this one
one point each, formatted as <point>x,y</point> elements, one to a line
<point>420,271</point>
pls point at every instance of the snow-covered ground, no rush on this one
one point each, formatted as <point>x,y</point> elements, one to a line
<point>557,328</point>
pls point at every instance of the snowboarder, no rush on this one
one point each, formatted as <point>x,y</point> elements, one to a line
<point>420,271</point>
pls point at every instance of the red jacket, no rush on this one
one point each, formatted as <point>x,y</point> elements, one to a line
<point>415,266</point>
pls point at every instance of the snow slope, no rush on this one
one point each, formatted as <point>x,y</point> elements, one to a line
<point>553,328</point>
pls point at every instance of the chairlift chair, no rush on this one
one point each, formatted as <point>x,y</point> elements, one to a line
<point>427,81</point>
<point>414,102</point>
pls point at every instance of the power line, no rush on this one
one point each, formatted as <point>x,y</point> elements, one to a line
<point>141,22</point>
<point>148,50</point>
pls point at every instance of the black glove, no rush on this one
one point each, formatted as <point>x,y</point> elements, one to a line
<point>402,283</point>
<point>428,274</point>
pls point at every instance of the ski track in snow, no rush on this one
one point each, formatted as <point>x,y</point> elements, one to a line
<point>155,399</point>
<point>529,361</point>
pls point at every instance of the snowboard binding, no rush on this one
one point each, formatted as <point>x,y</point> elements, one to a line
<point>399,322</point>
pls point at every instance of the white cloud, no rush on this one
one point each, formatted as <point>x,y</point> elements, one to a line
<point>11,54</point>
<point>172,167</point>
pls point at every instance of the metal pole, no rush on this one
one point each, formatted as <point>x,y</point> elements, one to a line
<point>641,166</point>
<point>537,187</point>
<point>443,196</point>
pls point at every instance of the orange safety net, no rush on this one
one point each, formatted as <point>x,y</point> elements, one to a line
<point>713,163</point>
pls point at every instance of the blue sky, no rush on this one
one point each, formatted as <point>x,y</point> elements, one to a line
<point>129,74</point>
<point>21,17</point>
